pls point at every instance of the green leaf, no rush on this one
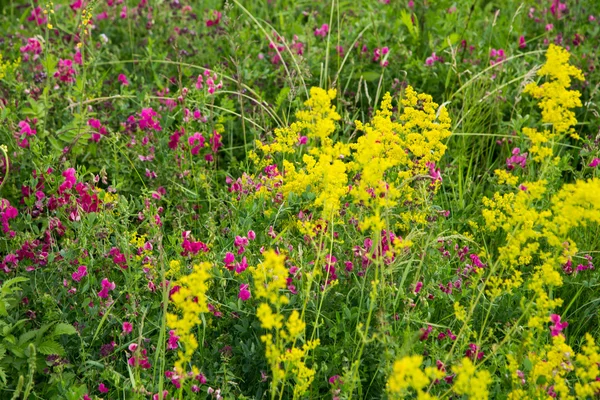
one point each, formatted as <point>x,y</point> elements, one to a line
<point>27,336</point>
<point>7,284</point>
<point>51,347</point>
<point>64,329</point>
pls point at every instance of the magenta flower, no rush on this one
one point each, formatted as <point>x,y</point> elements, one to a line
<point>123,79</point>
<point>196,142</point>
<point>7,212</point>
<point>473,352</point>
<point>65,73</point>
<point>322,31</point>
<point>522,43</point>
<point>80,273</point>
<point>418,287</point>
<point>215,21</point>
<point>595,162</point>
<point>251,235</point>
<point>241,266</point>
<point>102,388</point>
<point>106,287</point>
<point>70,180</point>
<point>516,159</point>
<point>244,292</point>
<point>127,327</point>
<point>173,341</point>
<point>558,326</point>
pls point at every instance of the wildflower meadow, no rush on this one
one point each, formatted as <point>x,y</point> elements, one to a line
<point>311,199</point>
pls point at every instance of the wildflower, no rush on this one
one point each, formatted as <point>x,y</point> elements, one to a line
<point>216,19</point>
<point>80,273</point>
<point>7,212</point>
<point>38,16</point>
<point>102,388</point>
<point>189,301</point>
<point>65,71</point>
<point>106,287</point>
<point>251,235</point>
<point>522,43</point>
<point>558,326</point>
<point>549,27</point>
<point>127,328</point>
<point>595,162</point>
<point>123,79</point>
<point>196,142</point>
<point>407,375</point>
<point>516,159</point>
<point>469,382</point>
<point>244,292</point>
<point>173,341</point>
<point>322,31</point>
<point>123,13</point>
<point>473,352</point>
<point>433,59</point>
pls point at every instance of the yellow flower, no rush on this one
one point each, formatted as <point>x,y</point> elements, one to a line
<point>469,382</point>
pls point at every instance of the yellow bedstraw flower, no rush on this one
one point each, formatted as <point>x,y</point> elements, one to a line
<point>189,302</point>
<point>469,382</point>
<point>407,375</point>
<point>556,100</point>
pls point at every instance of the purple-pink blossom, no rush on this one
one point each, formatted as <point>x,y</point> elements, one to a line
<point>106,287</point>
<point>244,293</point>
<point>558,326</point>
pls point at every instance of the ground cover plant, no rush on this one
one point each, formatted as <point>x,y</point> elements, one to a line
<point>299,199</point>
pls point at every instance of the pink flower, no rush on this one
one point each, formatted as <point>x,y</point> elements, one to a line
<point>102,388</point>
<point>244,292</point>
<point>123,13</point>
<point>196,142</point>
<point>215,21</point>
<point>418,287</point>
<point>38,16</point>
<point>106,287</point>
<point>516,159</point>
<point>558,326</point>
<point>522,43</point>
<point>473,352</point>
<point>127,327</point>
<point>322,31</point>
<point>70,180</point>
<point>251,235</point>
<point>80,273</point>
<point>595,162</point>
<point>65,73</point>
<point>173,341</point>
<point>241,266</point>
<point>549,27</point>
<point>123,79</point>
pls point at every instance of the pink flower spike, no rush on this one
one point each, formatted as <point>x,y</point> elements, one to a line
<point>595,162</point>
<point>522,43</point>
<point>127,328</point>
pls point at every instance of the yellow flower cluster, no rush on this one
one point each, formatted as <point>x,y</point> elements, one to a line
<point>7,67</point>
<point>284,358</point>
<point>474,384</point>
<point>190,302</point>
<point>270,278</point>
<point>324,170</point>
<point>407,374</point>
<point>556,100</point>
<point>552,368</point>
<point>392,154</point>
